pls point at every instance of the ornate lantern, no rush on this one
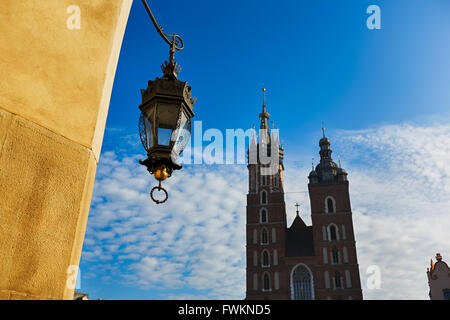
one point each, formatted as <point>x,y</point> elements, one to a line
<point>166,112</point>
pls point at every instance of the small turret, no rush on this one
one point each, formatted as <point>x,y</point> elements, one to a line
<point>327,171</point>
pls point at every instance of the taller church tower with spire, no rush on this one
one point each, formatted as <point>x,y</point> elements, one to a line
<point>299,262</point>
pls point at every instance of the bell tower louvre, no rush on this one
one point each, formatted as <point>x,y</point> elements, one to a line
<point>299,262</point>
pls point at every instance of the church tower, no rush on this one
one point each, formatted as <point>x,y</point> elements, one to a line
<point>337,272</point>
<point>299,262</point>
<point>266,214</point>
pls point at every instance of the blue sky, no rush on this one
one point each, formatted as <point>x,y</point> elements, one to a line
<point>383,95</point>
<point>317,59</point>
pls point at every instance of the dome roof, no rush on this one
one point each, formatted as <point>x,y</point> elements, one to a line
<point>324,140</point>
<point>326,166</point>
<point>313,173</point>
<point>327,171</point>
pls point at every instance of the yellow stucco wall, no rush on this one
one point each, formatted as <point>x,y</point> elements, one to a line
<point>56,82</point>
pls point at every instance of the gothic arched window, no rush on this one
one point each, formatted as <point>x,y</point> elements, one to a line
<point>265,259</point>
<point>332,232</point>
<point>263,216</point>
<point>264,236</point>
<point>263,180</point>
<point>266,282</point>
<point>301,283</point>
<point>335,254</point>
<point>263,197</point>
<point>330,205</point>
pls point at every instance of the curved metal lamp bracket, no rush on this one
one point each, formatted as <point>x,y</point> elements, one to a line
<point>175,41</point>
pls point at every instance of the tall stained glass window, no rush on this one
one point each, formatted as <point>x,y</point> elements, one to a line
<point>302,284</point>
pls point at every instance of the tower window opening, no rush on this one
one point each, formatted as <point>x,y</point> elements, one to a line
<point>337,280</point>
<point>264,237</point>
<point>266,282</point>
<point>335,254</point>
<point>265,259</point>
<point>330,205</point>
<point>264,218</point>
<point>333,233</point>
<point>263,197</point>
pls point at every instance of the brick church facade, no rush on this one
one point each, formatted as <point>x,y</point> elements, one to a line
<point>300,262</point>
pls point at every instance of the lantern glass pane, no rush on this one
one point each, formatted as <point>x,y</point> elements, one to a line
<point>182,135</point>
<point>167,122</point>
<point>164,136</point>
<point>149,120</point>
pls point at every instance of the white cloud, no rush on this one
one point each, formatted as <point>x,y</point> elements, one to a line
<point>401,198</point>
<point>195,240</point>
<point>194,245</point>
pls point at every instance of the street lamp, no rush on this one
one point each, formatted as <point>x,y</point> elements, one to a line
<point>166,112</point>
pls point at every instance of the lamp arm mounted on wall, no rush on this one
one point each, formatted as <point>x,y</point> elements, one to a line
<point>174,40</point>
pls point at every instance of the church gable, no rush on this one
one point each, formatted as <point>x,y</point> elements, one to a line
<point>299,239</point>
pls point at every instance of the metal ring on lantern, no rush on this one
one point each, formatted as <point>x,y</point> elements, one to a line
<point>159,188</point>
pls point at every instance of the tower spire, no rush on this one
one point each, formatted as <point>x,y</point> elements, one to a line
<point>264,99</point>
<point>264,115</point>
